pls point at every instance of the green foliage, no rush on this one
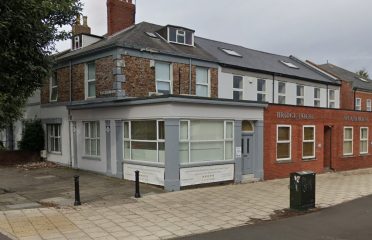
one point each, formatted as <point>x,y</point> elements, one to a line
<point>33,136</point>
<point>363,73</point>
<point>29,29</point>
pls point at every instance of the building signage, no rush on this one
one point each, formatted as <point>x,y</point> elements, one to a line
<point>292,115</point>
<point>355,118</point>
<point>238,152</point>
<point>206,174</point>
<point>151,175</point>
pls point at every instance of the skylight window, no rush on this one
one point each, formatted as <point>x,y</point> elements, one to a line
<point>288,64</point>
<point>150,34</point>
<point>231,52</point>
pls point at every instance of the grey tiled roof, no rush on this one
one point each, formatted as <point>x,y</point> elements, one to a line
<point>346,75</point>
<point>257,60</point>
<point>136,38</point>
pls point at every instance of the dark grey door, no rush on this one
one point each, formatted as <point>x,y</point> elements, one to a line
<point>247,154</point>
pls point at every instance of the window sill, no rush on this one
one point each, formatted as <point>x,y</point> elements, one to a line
<point>94,158</point>
<point>55,153</point>
<point>308,159</point>
<point>283,161</point>
<point>201,164</point>
<point>144,163</point>
<point>347,156</point>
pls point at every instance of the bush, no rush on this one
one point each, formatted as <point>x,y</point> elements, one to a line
<point>33,136</point>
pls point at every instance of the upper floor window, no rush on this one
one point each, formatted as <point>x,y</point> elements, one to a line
<point>181,36</point>
<point>92,138</point>
<point>238,88</point>
<point>281,92</point>
<point>316,97</point>
<point>331,98</point>
<point>369,105</point>
<point>300,95</point>
<point>90,78</point>
<point>163,78</point>
<point>54,87</point>
<point>202,82</point>
<point>261,90</point>
<point>358,104</point>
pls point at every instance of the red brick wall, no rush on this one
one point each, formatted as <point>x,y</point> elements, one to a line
<point>346,96</point>
<point>140,79</point>
<point>322,117</point>
<point>364,96</point>
<point>120,15</point>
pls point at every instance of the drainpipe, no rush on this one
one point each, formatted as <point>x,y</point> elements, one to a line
<point>190,78</point>
<point>273,96</point>
<point>68,115</point>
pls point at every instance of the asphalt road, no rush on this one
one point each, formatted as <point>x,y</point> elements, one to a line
<point>352,220</point>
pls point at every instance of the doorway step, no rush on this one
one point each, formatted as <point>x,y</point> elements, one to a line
<point>249,178</point>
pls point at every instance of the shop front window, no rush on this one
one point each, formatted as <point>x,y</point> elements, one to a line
<point>144,141</point>
<point>206,141</point>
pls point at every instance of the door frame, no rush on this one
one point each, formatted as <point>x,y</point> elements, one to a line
<point>251,136</point>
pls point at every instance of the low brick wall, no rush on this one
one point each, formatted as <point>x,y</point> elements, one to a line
<point>17,157</point>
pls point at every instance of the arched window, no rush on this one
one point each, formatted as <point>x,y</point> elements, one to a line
<point>247,126</point>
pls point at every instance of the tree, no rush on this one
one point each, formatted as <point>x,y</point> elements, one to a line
<point>363,73</point>
<point>33,136</point>
<point>28,32</point>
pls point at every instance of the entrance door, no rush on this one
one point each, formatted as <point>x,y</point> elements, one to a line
<point>247,154</point>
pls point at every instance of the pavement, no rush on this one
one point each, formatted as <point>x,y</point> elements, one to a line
<point>177,214</point>
<point>350,220</point>
<point>34,186</point>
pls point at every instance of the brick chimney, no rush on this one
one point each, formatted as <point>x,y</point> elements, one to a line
<point>121,14</point>
<point>77,28</point>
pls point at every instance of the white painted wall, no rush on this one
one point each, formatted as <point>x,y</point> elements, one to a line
<point>88,40</point>
<point>225,89</point>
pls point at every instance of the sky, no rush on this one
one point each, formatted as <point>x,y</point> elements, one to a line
<point>337,31</point>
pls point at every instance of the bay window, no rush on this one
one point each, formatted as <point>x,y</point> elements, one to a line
<point>283,142</point>
<point>144,141</point>
<point>202,82</point>
<point>206,141</point>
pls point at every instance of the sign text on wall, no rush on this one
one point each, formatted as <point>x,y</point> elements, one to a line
<point>291,115</point>
<point>355,118</point>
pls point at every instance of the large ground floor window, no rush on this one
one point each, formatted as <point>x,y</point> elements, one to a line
<point>92,138</point>
<point>144,140</point>
<point>54,138</point>
<point>206,140</point>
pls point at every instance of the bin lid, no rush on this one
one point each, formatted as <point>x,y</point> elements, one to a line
<point>305,172</point>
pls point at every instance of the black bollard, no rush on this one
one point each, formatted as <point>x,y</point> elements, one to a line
<point>77,191</point>
<point>137,194</point>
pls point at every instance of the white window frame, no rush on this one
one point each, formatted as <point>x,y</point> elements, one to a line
<point>51,87</point>
<point>208,85</point>
<point>363,140</point>
<point>76,42</point>
<point>264,93</point>
<point>284,95</point>
<point>369,105</point>
<point>317,99</point>
<point>348,140</point>
<point>52,137</point>
<point>331,102</point>
<point>170,81</point>
<point>300,96</point>
<point>241,90</point>
<point>89,138</point>
<point>358,104</point>
<point>284,141</point>
<point>308,141</point>
<point>225,139</point>
<point>130,140</point>
<point>87,81</point>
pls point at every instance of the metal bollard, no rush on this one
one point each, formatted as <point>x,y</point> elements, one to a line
<point>137,194</point>
<point>77,191</point>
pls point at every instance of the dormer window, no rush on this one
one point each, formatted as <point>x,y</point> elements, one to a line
<point>76,42</point>
<point>180,36</point>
